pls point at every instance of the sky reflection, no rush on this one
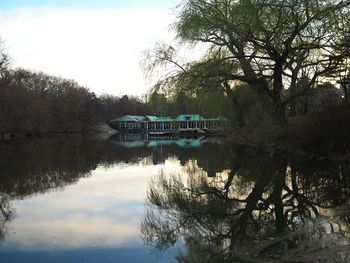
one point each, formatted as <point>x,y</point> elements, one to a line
<point>101,211</point>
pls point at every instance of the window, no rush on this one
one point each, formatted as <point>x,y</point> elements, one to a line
<point>167,125</point>
<point>158,125</point>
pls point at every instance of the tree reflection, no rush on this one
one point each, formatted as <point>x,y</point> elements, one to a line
<point>6,213</point>
<point>271,210</point>
<point>37,166</point>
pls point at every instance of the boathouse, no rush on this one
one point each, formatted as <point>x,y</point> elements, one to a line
<point>167,125</point>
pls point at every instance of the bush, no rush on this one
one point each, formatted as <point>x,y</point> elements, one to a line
<point>326,132</point>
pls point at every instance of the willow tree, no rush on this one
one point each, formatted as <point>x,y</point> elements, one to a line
<point>267,44</point>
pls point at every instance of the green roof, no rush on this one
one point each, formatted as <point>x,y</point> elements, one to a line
<point>164,119</point>
<point>156,118</point>
<point>130,118</point>
<point>182,117</point>
<point>151,118</point>
<point>189,117</point>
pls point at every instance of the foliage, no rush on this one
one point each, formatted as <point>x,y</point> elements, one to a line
<point>317,99</point>
<point>209,104</point>
<point>266,44</point>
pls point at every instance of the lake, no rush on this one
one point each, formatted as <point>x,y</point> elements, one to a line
<point>75,199</point>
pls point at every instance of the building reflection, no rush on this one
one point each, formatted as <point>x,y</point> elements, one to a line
<point>212,154</point>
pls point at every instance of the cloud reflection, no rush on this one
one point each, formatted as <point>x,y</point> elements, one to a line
<point>101,211</point>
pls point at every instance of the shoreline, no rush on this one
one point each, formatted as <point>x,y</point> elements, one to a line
<point>280,143</point>
<point>258,139</point>
<point>97,130</point>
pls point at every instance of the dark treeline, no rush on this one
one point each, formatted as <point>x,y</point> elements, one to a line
<point>34,102</point>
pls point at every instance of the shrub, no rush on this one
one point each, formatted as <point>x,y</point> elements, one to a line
<point>325,132</point>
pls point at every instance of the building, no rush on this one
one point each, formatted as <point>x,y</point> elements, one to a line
<point>186,123</point>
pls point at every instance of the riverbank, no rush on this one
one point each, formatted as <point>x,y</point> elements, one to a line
<point>322,136</point>
<point>100,130</point>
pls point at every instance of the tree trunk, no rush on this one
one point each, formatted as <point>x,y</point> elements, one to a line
<point>279,182</point>
<point>279,115</point>
<point>236,108</point>
<point>238,112</point>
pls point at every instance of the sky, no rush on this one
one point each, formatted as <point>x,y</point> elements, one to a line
<point>98,43</point>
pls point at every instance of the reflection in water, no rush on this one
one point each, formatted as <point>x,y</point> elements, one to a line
<point>227,202</point>
<point>40,165</point>
<point>259,210</point>
<point>6,214</point>
<point>101,193</point>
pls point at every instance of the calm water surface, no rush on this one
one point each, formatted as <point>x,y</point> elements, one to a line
<point>81,200</point>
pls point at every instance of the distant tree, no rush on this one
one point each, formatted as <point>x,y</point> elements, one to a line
<point>323,97</point>
<point>34,102</point>
<point>158,103</point>
<point>267,44</point>
<point>4,60</point>
<point>179,103</point>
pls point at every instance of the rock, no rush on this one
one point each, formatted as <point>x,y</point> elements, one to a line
<point>100,130</point>
<point>335,227</point>
<point>327,228</point>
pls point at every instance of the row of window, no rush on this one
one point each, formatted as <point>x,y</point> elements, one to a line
<point>170,125</point>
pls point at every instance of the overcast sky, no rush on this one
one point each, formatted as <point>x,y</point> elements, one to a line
<point>98,43</point>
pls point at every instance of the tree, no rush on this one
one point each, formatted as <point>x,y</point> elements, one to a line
<point>267,44</point>
<point>158,103</point>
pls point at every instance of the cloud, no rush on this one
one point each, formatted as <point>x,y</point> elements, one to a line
<point>100,48</point>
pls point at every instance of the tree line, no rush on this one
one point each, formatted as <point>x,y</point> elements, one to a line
<point>34,103</point>
<point>37,103</point>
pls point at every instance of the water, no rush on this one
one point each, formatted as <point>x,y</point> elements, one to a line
<point>80,200</point>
